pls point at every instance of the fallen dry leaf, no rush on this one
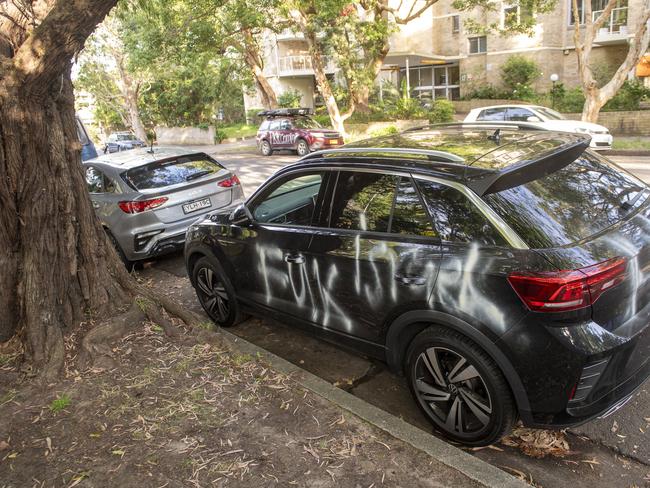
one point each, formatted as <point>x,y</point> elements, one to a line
<point>538,443</point>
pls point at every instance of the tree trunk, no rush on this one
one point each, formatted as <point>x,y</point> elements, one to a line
<point>131,100</point>
<point>255,63</point>
<point>130,90</point>
<point>592,106</point>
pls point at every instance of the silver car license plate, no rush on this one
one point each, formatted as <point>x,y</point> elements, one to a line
<point>196,205</point>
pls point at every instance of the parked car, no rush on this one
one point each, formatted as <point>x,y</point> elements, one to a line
<point>122,141</point>
<point>146,199</point>
<point>502,271</point>
<point>294,130</point>
<point>546,118</point>
<point>88,150</point>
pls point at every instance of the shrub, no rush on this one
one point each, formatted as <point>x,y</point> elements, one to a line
<point>441,111</point>
<point>519,72</point>
<point>219,136</point>
<point>322,119</point>
<point>290,99</point>
<point>385,131</point>
<point>628,97</point>
<point>485,92</point>
<point>408,108</point>
<point>570,100</point>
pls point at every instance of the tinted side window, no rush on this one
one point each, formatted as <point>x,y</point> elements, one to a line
<point>274,125</point>
<point>456,218</point>
<point>491,114</point>
<point>290,201</point>
<point>264,125</point>
<point>363,201</point>
<point>409,216</point>
<point>81,132</point>
<point>519,114</point>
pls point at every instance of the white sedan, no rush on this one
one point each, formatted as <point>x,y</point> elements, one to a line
<point>546,118</point>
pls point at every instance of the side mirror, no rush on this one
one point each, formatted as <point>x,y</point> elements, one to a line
<point>241,216</point>
<point>533,118</point>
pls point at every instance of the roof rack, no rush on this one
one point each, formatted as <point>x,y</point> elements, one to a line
<point>285,112</point>
<point>481,125</point>
<point>433,155</point>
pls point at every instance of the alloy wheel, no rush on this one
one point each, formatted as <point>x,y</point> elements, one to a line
<point>303,148</point>
<point>452,391</point>
<point>213,294</point>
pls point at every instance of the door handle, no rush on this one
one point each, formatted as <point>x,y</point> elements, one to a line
<point>294,258</point>
<point>411,280</point>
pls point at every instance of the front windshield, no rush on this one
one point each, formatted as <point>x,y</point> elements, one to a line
<point>306,123</point>
<point>125,137</point>
<point>550,113</point>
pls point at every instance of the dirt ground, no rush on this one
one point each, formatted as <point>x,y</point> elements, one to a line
<point>175,415</point>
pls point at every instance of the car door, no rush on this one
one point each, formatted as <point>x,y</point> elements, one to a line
<point>102,193</point>
<point>273,256</point>
<point>492,114</point>
<point>520,114</point>
<point>378,256</point>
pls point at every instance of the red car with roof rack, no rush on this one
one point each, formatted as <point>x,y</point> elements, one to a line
<point>293,129</point>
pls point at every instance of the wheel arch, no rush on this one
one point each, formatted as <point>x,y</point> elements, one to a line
<point>198,251</point>
<point>405,327</point>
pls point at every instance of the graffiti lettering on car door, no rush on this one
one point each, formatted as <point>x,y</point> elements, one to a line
<point>278,139</point>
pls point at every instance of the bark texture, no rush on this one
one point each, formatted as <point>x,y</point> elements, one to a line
<point>253,59</point>
<point>57,265</point>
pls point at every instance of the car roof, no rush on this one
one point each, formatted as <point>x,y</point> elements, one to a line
<point>141,156</point>
<point>473,154</point>
<point>510,105</point>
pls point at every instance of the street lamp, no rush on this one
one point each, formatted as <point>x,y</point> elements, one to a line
<point>554,80</point>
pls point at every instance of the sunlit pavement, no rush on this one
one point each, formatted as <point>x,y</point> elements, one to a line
<point>595,462</point>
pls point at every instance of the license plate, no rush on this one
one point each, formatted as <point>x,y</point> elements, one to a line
<point>196,205</point>
<point>333,141</point>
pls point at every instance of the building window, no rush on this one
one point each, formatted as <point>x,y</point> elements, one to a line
<point>617,17</point>
<point>515,14</point>
<point>477,45</point>
<point>455,24</point>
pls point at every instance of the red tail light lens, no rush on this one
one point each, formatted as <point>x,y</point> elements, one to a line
<point>230,182</point>
<point>562,291</point>
<point>140,206</point>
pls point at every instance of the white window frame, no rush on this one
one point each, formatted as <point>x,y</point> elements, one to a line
<point>478,42</point>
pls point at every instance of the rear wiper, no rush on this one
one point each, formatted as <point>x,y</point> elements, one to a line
<point>200,174</point>
<point>628,205</point>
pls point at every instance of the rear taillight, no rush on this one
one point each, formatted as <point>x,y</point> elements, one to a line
<point>229,182</point>
<point>561,291</point>
<point>139,206</point>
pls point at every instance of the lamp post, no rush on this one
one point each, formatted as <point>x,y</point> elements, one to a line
<point>554,80</point>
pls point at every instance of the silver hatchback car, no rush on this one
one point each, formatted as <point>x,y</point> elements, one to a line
<point>146,199</point>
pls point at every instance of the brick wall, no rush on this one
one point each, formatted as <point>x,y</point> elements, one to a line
<point>635,123</point>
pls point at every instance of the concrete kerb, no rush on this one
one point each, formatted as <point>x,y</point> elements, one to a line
<point>472,467</point>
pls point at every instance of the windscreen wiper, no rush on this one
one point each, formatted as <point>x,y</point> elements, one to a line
<point>200,174</point>
<point>629,205</point>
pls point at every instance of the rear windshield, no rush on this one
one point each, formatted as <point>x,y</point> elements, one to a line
<point>174,172</point>
<point>576,202</point>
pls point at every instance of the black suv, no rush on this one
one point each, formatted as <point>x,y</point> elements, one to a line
<point>504,271</point>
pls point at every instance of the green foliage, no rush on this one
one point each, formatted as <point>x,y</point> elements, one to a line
<point>628,97</point>
<point>219,136</point>
<point>385,131</point>
<point>569,100</point>
<point>485,92</point>
<point>290,99</point>
<point>60,403</point>
<point>520,18</point>
<point>408,108</point>
<point>239,130</point>
<point>519,73</point>
<point>322,119</point>
<point>441,111</point>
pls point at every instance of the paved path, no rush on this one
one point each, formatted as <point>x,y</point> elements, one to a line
<point>596,461</point>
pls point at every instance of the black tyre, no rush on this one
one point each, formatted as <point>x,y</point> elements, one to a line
<point>130,265</point>
<point>215,292</point>
<point>302,148</point>
<point>265,148</point>
<point>459,387</point>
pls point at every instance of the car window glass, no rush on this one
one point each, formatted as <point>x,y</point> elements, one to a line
<point>456,218</point>
<point>491,114</point>
<point>83,138</point>
<point>519,114</point>
<point>409,216</point>
<point>293,201</point>
<point>94,180</point>
<point>174,172</point>
<point>571,204</point>
<point>363,201</point>
<point>264,125</point>
<point>285,125</point>
<point>274,125</point>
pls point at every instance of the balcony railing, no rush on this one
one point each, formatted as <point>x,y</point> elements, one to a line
<point>617,22</point>
<point>302,64</point>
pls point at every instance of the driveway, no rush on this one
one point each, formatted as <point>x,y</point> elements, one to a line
<point>608,452</point>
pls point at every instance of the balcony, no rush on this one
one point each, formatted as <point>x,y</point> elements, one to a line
<point>301,65</point>
<point>614,30</point>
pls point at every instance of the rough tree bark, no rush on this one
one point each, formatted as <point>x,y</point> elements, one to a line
<point>584,37</point>
<point>58,267</point>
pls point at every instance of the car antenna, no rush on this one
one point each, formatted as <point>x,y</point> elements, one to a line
<point>496,137</point>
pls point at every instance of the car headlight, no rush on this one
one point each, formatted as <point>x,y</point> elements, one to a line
<point>318,134</point>
<point>584,130</point>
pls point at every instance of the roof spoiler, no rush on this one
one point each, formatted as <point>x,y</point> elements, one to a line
<point>530,169</point>
<point>479,125</point>
<point>284,112</point>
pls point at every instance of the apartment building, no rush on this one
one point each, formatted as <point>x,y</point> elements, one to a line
<point>438,56</point>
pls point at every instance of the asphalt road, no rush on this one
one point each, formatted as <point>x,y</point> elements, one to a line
<point>610,452</point>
